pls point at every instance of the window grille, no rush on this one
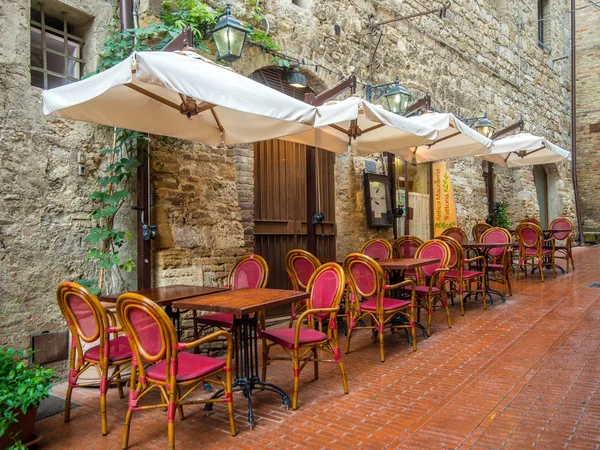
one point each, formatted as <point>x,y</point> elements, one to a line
<point>55,51</point>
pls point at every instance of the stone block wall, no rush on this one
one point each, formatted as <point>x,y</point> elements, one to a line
<point>44,204</point>
<point>588,113</point>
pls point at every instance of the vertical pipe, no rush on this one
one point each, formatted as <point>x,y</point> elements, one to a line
<point>126,14</point>
<point>391,159</point>
<point>406,202</point>
<point>491,189</point>
<point>574,124</point>
<point>311,200</point>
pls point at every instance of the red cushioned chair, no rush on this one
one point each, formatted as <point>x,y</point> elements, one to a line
<point>300,265</point>
<point>302,345</point>
<point>533,247</point>
<point>430,279</point>
<point>479,229</point>
<point>89,322</point>
<point>377,249</point>
<point>565,249</point>
<point>160,362</point>
<point>461,279</point>
<point>368,300</point>
<point>457,234</point>
<point>250,271</point>
<point>406,247</point>
<point>500,258</point>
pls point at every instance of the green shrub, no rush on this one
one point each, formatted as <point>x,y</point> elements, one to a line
<point>499,216</point>
<point>22,386</point>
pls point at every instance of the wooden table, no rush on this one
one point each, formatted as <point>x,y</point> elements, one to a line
<point>483,248</point>
<point>242,303</point>
<point>406,263</point>
<point>166,295</point>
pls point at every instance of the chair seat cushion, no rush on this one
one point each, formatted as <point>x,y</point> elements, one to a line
<point>388,304</point>
<point>466,274</point>
<point>189,367</point>
<point>532,251</point>
<point>285,336</point>
<point>216,320</point>
<point>423,290</point>
<point>496,267</point>
<point>119,350</point>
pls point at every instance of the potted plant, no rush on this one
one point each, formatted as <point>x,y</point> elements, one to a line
<point>499,216</point>
<point>22,388</point>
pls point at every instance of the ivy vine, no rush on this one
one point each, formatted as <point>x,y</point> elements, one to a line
<point>104,240</point>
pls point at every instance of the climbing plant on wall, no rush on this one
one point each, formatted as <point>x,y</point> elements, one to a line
<point>104,240</point>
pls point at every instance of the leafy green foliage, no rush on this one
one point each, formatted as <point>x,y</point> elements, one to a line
<point>22,386</point>
<point>104,240</point>
<point>499,216</point>
<point>444,225</point>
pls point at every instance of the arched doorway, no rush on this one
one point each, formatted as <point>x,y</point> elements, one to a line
<point>280,210</point>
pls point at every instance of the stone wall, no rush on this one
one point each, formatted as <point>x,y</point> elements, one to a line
<point>476,60</point>
<point>44,204</point>
<point>588,114</point>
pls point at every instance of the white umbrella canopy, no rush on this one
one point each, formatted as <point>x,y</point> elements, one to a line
<point>365,127</point>
<point>153,92</point>
<point>525,149</point>
<point>455,139</point>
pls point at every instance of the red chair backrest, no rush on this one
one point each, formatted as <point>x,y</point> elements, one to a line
<point>496,235</point>
<point>529,235</point>
<point>326,287</point>
<point>366,277</point>
<point>150,332</point>
<point>377,249</point>
<point>456,251</point>
<point>532,220</point>
<point>562,223</point>
<point>300,266</point>
<point>83,312</point>
<point>479,229</point>
<point>406,246</point>
<point>250,271</point>
<point>434,248</point>
<point>457,234</point>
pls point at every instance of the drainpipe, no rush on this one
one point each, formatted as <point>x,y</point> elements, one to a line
<point>126,14</point>
<point>574,124</point>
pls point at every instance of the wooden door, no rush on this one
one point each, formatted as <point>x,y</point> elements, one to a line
<point>280,204</point>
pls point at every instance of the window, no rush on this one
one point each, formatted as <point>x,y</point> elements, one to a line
<point>543,24</point>
<point>55,50</point>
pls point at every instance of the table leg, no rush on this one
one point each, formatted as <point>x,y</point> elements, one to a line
<point>175,317</point>
<point>247,378</point>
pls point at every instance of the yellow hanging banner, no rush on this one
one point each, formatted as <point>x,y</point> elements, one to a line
<point>444,209</point>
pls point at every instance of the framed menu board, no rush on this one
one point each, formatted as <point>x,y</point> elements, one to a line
<point>378,201</point>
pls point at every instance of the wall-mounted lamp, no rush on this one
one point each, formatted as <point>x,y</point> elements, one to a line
<point>396,95</point>
<point>482,125</point>
<point>229,36</point>
<point>295,78</point>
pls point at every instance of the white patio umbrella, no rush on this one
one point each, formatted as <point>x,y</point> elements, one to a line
<point>525,149</point>
<point>455,139</point>
<point>182,95</point>
<point>365,127</point>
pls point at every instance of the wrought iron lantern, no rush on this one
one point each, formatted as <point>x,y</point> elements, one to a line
<point>295,78</point>
<point>398,99</point>
<point>229,36</point>
<point>485,127</point>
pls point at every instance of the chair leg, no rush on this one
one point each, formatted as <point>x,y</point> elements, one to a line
<point>103,390</point>
<point>413,334</point>
<point>171,407</point>
<point>462,302</point>
<point>348,340</point>
<point>296,360</point>
<point>179,406</point>
<point>541,268</point>
<point>445,304</point>
<point>381,344</point>
<point>68,403</point>
<point>119,382</point>
<point>429,314</point>
<point>265,352</point>
<point>127,426</point>
<point>572,260</point>
<point>316,362</point>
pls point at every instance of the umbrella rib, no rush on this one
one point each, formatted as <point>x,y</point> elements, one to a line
<point>158,98</point>
<point>216,118</point>
<point>373,128</point>
<point>340,129</point>
<point>444,138</point>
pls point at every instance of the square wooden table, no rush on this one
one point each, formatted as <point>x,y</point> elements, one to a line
<point>242,303</point>
<point>166,295</point>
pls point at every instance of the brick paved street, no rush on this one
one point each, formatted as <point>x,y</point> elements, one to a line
<point>519,375</point>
